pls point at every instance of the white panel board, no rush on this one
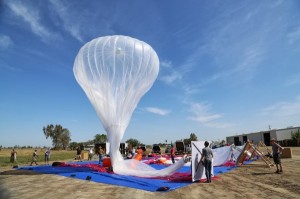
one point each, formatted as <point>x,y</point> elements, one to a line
<point>198,171</point>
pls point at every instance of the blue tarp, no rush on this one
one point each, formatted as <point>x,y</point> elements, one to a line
<point>120,180</point>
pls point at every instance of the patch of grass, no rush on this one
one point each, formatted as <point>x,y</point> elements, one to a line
<point>24,156</point>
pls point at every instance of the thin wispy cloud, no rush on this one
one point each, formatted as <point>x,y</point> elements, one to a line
<point>157,111</point>
<point>6,42</point>
<point>5,66</point>
<point>294,36</point>
<point>219,125</point>
<point>201,113</point>
<point>169,74</point>
<point>283,109</point>
<point>68,21</point>
<point>190,90</point>
<point>31,16</point>
<point>235,44</point>
<point>293,80</point>
<point>252,57</point>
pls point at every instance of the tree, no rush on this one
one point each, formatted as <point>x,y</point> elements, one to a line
<point>187,141</point>
<point>100,138</point>
<point>73,145</point>
<point>223,142</point>
<point>60,136</point>
<point>193,137</point>
<point>65,138</point>
<point>296,136</point>
<point>133,142</point>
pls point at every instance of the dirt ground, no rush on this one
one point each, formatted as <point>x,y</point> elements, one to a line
<point>248,181</point>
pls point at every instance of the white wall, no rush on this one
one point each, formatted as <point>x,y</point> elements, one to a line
<point>285,134</point>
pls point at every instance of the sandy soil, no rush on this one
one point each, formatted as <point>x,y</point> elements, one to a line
<point>249,181</point>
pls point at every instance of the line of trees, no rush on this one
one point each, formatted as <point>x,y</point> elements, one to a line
<point>98,138</point>
<point>61,138</point>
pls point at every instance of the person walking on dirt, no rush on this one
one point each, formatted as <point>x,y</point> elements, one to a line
<point>47,156</point>
<point>34,158</point>
<point>13,156</point>
<point>78,154</point>
<point>276,150</point>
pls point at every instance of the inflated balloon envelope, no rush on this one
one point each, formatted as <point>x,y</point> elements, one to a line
<point>115,72</point>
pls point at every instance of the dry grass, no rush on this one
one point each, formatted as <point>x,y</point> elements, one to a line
<point>24,156</point>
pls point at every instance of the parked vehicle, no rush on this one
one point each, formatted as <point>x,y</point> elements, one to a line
<point>179,147</point>
<point>156,149</point>
<point>168,149</point>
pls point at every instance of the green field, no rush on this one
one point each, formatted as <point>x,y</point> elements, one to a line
<point>24,156</point>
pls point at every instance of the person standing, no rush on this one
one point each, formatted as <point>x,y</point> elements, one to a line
<point>133,152</point>
<point>47,156</point>
<point>139,154</point>
<point>206,158</point>
<point>276,150</point>
<point>34,158</point>
<point>173,154</point>
<point>101,154</point>
<point>13,156</point>
<point>91,154</point>
<point>78,154</point>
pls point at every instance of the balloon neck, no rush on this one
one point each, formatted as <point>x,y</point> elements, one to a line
<point>115,128</point>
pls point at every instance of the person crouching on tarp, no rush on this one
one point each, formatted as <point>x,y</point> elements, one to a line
<point>207,155</point>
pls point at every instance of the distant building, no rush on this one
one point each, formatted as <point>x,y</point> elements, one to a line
<point>279,134</point>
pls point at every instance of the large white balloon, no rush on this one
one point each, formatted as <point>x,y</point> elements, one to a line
<point>115,72</point>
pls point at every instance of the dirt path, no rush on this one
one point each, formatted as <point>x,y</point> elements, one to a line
<point>250,181</point>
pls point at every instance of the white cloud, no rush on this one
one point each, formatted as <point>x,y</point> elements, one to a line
<point>293,80</point>
<point>251,58</point>
<point>166,64</point>
<point>173,76</point>
<point>219,125</point>
<point>70,23</point>
<point>201,113</point>
<point>294,36</point>
<point>157,111</point>
<point>168,74</point>
<point>5,42</point>
<point>32,18</point>
<point>4,65</point>
<point>205,118</point>
<point>283,109</point>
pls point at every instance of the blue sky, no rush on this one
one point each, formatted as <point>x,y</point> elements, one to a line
<point>226,67</point>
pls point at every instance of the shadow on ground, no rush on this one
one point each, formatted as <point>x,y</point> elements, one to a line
<point>264,173</point>
<point>19,172</point>
<point>3,192</point>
